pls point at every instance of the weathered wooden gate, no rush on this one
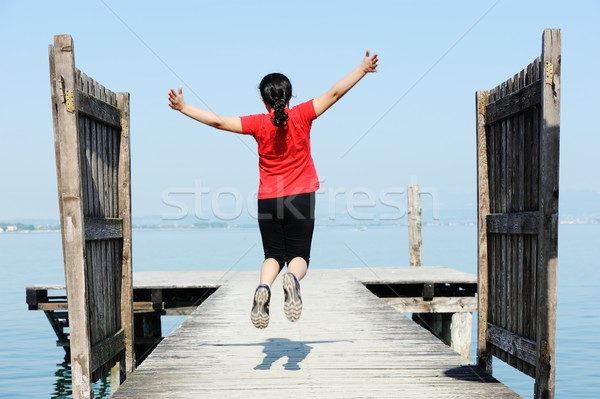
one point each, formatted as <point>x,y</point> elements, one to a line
<point>518,130</point>
<point>91,130</point>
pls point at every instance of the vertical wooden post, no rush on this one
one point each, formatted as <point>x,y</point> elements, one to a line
<point>548,229</point>
<point>414,225</point>
<point>484,357</point>
<point>56,93</point>
<point>148,333</point>
<point>125,214</point>
<point>460,331</point>
<point>69,171</point>
<point>115,377</point>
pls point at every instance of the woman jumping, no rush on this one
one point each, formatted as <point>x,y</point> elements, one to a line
<point>288,180</point>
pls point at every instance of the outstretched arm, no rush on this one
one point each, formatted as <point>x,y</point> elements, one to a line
<point>229,123</point>
<point>368,65</point>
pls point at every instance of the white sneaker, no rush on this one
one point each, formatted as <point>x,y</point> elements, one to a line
<point>292,306</point>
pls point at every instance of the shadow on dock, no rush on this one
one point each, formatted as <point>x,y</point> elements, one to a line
<point>278,348</point>
<point>470,373</point>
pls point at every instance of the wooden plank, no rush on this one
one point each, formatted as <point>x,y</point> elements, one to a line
<point>98,109</point>
<point>83,125</point>
<point>107,349</point>
<point>490,137</point>
<point>548,238</point>
<point>103,228</point>
<point>494,248</point>
<point>88,184</point>
<point>511,155</point>
<point>93,301</point>
<point>138,306</point>
<point>414,225</point>
<point>484,358</point>
<point>435,305</point>
<point>53,306</point>
<point>116,135</point>
<point>94,184</point>
<point>104,171</point>
<point>72,219</point>
<point>111,177</point>
<point>513,223</point>
<point>188,279</point>
<point>530,203</point>
<point>117,244</point>
<point>114,303</point>
<point>502,289</point>
<point>113,247</point>
<point>98,280</point>
<point>519,206</point>
<point>410,275</point>
<point>99,173</point>
<point>534,169</point>
<point>513,103</point>
<point>124,188</point>
<point>512,343</point>
<point>535,195</point>
<point>92,253</point>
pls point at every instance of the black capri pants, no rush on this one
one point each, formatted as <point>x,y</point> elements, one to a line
<point>286,226</point>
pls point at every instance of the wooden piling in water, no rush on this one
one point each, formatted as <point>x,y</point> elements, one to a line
<point>450,323</point>
<point>414,225</point>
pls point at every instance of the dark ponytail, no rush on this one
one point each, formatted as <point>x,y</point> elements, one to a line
<point>276,91</point>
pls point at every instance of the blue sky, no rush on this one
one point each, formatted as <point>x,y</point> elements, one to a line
<point>414,121</point>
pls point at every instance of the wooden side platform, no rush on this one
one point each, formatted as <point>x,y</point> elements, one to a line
<point>349,343</point>
<point>174,292</point>
<point>155,294</point>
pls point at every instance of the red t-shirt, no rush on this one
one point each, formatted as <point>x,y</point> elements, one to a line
<point>285,163</point>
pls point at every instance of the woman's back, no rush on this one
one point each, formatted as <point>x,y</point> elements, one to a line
<point>285,161</point>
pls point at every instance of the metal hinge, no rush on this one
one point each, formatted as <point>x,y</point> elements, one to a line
<point>66,96</point>
<point>70,100</point>
<point>549,73</point>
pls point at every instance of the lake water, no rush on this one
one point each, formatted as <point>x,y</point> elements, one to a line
<point>31,366</point>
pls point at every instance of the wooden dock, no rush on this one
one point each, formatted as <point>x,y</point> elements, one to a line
<point>348,344</point>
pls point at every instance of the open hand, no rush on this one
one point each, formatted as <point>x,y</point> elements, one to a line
<point>176,99</point>
<point>369,64</point>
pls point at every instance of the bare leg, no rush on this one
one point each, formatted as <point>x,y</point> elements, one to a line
<point>262,296</point>
<point>298,267</point>
<point>269,271</point>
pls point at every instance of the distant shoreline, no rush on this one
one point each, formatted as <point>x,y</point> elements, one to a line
<point>13,228</point>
